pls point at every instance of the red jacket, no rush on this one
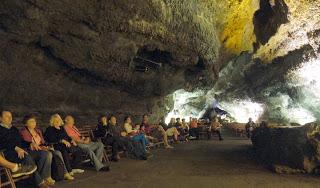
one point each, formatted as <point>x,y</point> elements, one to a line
<point>26,135</point>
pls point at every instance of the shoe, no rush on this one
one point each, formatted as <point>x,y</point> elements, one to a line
<point>24,170</point>
<point>168,147</point>
<point>105,169</point>
<point>221,139</point>
<point>44,185</point>
<point>50,181</point>
<point>77,171</point>
<point>67,176</point>
<point>192,138</point>
<point>144,158</point>
<point>114,159</point>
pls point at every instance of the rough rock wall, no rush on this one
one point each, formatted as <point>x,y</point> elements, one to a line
<point>79,56</point>
<point>288,150</point>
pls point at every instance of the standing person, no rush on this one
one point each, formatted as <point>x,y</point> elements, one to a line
<point>19,151</point>
<point>34,135</point>
<point>249,128</point>
<point>93,149</point>
<point>57,136</point>
<point>215,127</point>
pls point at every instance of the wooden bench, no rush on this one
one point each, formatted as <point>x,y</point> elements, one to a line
<point>238,129</point>
<point>88,132</point>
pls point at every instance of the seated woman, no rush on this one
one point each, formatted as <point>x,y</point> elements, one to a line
<point>215,128</point>
<point>34,135</point>
<point>56,135</point>
<point>155,131</point>
<point>19,151</point>
<point>134,133</point>
<point>93,149</point>
<point>17,170</point>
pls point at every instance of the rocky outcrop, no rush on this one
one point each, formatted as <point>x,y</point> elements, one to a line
<point>99,56</point>
<point>288,149</point>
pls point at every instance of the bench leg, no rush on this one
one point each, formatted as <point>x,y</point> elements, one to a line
<point>10,179</point>
<point>106,158</point>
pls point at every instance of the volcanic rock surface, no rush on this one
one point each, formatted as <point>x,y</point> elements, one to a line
<point>126,57</point>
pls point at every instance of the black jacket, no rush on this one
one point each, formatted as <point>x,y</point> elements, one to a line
<point>54,136</point>
<point>10,138</point>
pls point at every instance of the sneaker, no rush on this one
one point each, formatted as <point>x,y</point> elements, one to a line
<point>24,170</point>
<point>192,138</point>
<point>77,171</point>
<point>168,147</point>
<point>68,176</point>
<point>50,181</point>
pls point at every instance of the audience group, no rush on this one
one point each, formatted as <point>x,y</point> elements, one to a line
<point>31,151</point>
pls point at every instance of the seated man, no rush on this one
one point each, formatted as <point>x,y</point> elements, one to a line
<point>134,133</point>
<point>194,129</point>
<point>170,129</point>
<point>134,149</point>
<point>103,131</point>
<point>93,149</point>
<point>16,151</point>
<point>185,126</point>
<point>155,131</point>
<point>215,128</point>
<point>17,170</point>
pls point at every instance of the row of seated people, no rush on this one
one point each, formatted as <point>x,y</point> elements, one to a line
<point>33,151</point>
<point>193,129</point>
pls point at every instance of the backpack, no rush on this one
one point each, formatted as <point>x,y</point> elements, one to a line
<point>137,150</point>
<point>57,168</point>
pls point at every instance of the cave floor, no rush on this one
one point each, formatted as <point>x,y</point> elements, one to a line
<point>193,164</point>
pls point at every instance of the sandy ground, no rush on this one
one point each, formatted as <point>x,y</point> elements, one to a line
<point>195,164</point>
